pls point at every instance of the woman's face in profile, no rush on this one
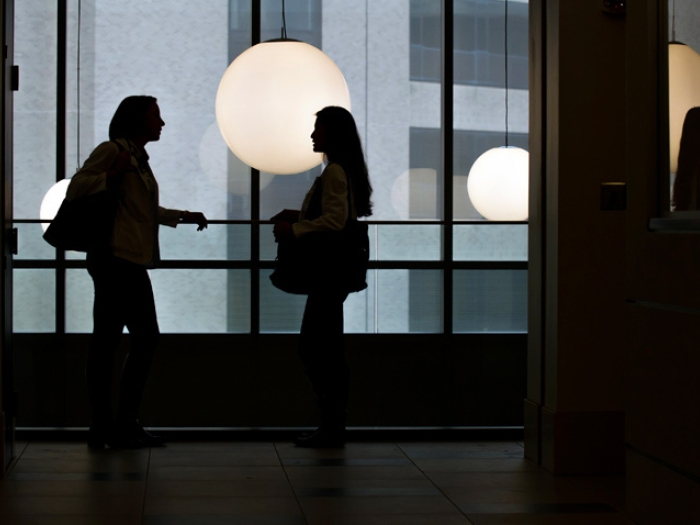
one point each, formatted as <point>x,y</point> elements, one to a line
<point>153,123</point>
<point>318,137</point>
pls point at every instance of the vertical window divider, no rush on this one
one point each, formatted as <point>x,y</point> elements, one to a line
<point>256,30</point>
<point>447,136</point>
<point>61,78</point>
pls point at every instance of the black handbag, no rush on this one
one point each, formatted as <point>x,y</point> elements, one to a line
<point>86,223</point>
<point>335,260</point>
<point>324,260</point>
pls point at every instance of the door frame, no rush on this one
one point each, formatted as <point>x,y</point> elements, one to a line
<point>7,395</point>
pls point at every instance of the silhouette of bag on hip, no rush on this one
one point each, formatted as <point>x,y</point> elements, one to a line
<point>85,223</point>
<point>324,260</point>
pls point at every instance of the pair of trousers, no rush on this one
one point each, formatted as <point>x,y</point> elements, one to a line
<point>322,353</point>
<point>123,298</point>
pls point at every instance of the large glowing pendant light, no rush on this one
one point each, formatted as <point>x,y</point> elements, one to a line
<point>498,181</point>
<point>267,102</point>
<point>683,92</point>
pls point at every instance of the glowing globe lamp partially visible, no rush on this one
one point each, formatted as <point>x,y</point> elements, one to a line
<point>498,184</point>
<point>683,92</point>
<point>267,102</point>
<point>52,202</point>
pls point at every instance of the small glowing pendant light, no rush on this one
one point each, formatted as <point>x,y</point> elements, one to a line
<point>52,202</point>
<point>498,180</point>
<point>683,89</point>
<point>267,102</point>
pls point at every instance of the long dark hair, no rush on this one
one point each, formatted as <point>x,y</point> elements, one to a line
<point>688,164</point>
<point>129,119</point>
<point>343,146</point>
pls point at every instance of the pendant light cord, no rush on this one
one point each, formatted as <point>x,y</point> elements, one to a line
<point>77,90</point>
<point>284,22</point>
<point>505,53</point>
<point>673,22</point>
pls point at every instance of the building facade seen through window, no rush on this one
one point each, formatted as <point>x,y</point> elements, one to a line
<point>389,53</point>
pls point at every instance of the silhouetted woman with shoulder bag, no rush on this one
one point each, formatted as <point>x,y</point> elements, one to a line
<point>341,194</point>
<point>119,270</point>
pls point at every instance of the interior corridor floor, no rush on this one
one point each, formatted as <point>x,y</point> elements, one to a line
<point>275,483</point>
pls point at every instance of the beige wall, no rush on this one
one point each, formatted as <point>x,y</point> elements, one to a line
<point>574,410</point>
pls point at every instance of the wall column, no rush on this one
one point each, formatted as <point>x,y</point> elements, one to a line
<point>574,410</point>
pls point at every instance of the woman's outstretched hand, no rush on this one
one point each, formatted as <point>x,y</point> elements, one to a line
<point>195,217</point>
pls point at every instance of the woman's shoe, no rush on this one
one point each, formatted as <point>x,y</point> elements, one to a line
<point>133,435</point>
<point>99,434</point>
<point>322,438</point>
<point>148,439</point>
<point>97,439</point>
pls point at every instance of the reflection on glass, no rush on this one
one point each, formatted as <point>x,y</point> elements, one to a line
<point>685,194</point>
<point>684,102</point>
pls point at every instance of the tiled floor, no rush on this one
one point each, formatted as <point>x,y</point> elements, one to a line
<point>274,483</point>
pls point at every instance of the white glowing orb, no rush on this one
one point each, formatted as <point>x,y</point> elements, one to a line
<point>52,202</point>
<point>498,184</point>
<point>683,92</point>
<point>267,102</point>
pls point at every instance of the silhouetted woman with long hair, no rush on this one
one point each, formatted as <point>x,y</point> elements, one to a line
<point>686,186</point>
<point>123,291</point>
<point>344,191</point>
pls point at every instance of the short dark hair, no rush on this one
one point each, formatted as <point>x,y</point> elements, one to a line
<point>128,121</point>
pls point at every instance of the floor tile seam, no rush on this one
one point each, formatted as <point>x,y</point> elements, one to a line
<point>145,485</point>
<point>13,463</point>
<point>457,508</point>
<point>289,482</point>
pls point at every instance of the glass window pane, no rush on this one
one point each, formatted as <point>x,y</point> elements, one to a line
<point>407,243</point>
<point>182,68</point>
<point>408,301</point>
<point>34,116</point>
<point>285,191</point>
<point>495,242</point>
<point>490,301</point>
<point>280,312</point>
<point>80,294</point>
<point>31,244</point>
<point>395,301</point>
<point>216,242</point>
<point>34,301</point>
<point>187,301</point>
<point>202,301</point>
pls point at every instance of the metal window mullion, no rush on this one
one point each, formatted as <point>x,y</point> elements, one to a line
<point>256,32</point>
<point>61,78</point>
<point>447,132</point>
